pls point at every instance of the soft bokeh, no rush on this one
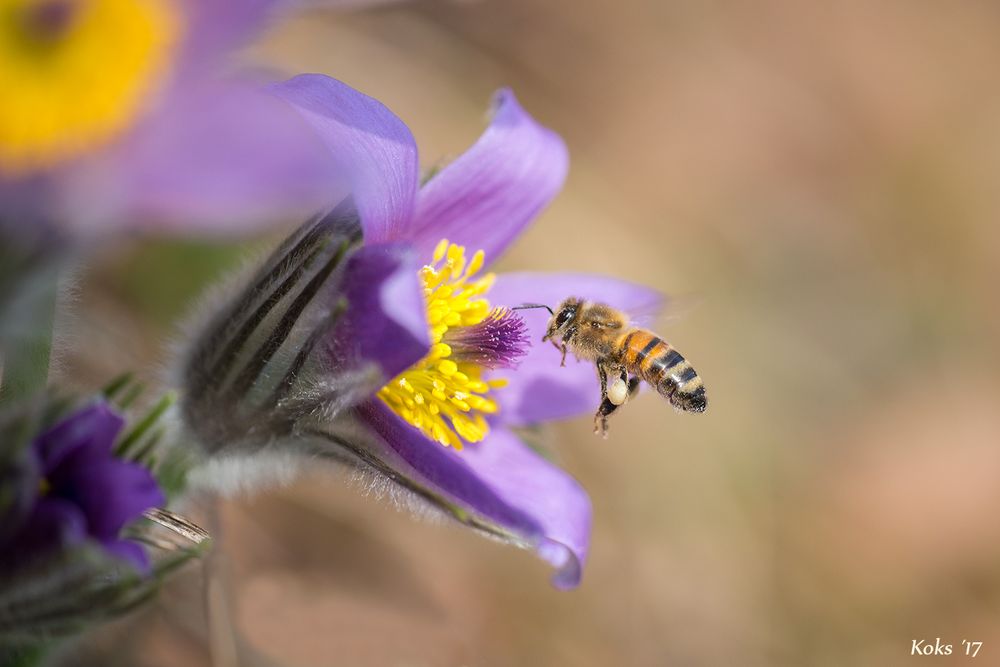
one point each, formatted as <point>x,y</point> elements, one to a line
<point>818,187</point>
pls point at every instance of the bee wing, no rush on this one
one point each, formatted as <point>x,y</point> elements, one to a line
<point>664,313</point>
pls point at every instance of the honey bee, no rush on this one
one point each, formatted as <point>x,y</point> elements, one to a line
<point>624,354</point>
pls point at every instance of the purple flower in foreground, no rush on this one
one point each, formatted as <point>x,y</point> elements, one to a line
<point>392,361</point>
<point>72,488</point>
<point>119,113</point>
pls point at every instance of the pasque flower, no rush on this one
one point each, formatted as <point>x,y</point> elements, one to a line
<point>119,112</point>
<point>373,337</point>
<point>70,488</point>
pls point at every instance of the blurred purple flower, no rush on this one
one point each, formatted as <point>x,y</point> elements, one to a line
<point>72,488</point>
<point>420,328</point>
<point>120,114</point>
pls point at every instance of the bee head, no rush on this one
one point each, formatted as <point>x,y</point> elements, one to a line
<point>562,317</point>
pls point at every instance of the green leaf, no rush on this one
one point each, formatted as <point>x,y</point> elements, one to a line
<point>115,387</point>
<point>145,424</point>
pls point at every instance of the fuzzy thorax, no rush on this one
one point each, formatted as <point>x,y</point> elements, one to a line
<point>445,394</point>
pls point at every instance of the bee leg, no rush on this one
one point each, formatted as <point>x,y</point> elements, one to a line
<point>569,335</point>
<point>562,347</point>
<point>633,386</point>
<point>607,406</point>
<point>601,417</point>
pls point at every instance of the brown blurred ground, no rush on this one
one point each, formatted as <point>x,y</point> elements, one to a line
<point>819,184</point>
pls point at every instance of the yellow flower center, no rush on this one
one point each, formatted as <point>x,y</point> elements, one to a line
<point>74,74</point>
<point>445,398</point>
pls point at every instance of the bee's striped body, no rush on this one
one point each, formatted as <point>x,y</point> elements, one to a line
<point>624,354</point>
<point>645,354</point>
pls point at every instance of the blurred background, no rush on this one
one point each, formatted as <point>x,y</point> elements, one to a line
<point>818,186</point>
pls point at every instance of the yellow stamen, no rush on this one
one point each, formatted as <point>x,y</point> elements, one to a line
<point>446,399</point>
<point>74,74</point>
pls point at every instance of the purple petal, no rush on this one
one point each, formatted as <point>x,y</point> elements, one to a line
<point>54,523</point>
<point>130,552</point>
<point>370,143</point>
<point>83,436</point>
<point>500,481</point>
<point>215,157</point>
<point>385,319</point>
<point>540,390</point>
<point>548,495</point>
<point>111,494</point>
<point>486,197</point>
<point>214,27</point>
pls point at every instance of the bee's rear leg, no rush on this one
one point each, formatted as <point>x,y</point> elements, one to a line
<point>601,417</point>
<point>611,403</point>
<point>633,386</point>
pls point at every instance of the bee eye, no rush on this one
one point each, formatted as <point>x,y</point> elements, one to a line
<point>564,316</point>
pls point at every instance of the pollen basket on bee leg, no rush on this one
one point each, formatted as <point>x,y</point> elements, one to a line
<point>618,391</point>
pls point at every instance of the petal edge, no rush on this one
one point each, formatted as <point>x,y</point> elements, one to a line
<point>371,145</point>
<point>511,491</point>
<point>492,192</point>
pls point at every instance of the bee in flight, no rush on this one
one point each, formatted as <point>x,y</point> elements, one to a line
<point>624,355</point>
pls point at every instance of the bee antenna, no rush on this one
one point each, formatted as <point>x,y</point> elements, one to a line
<point>529,306</point>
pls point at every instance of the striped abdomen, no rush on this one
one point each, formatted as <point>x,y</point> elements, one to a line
<point>655,361</point>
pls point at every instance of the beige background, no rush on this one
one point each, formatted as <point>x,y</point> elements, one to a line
<point>818,185</point>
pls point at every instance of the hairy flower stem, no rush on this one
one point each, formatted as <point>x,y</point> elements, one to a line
<point>25,351</point>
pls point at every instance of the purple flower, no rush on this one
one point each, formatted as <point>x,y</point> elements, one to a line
<point>402,364</point>
<point>72,488</point>
<point>119,113</point>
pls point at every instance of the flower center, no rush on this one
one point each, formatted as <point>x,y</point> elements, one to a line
<point>445,394</point>
<point>74,73</point>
